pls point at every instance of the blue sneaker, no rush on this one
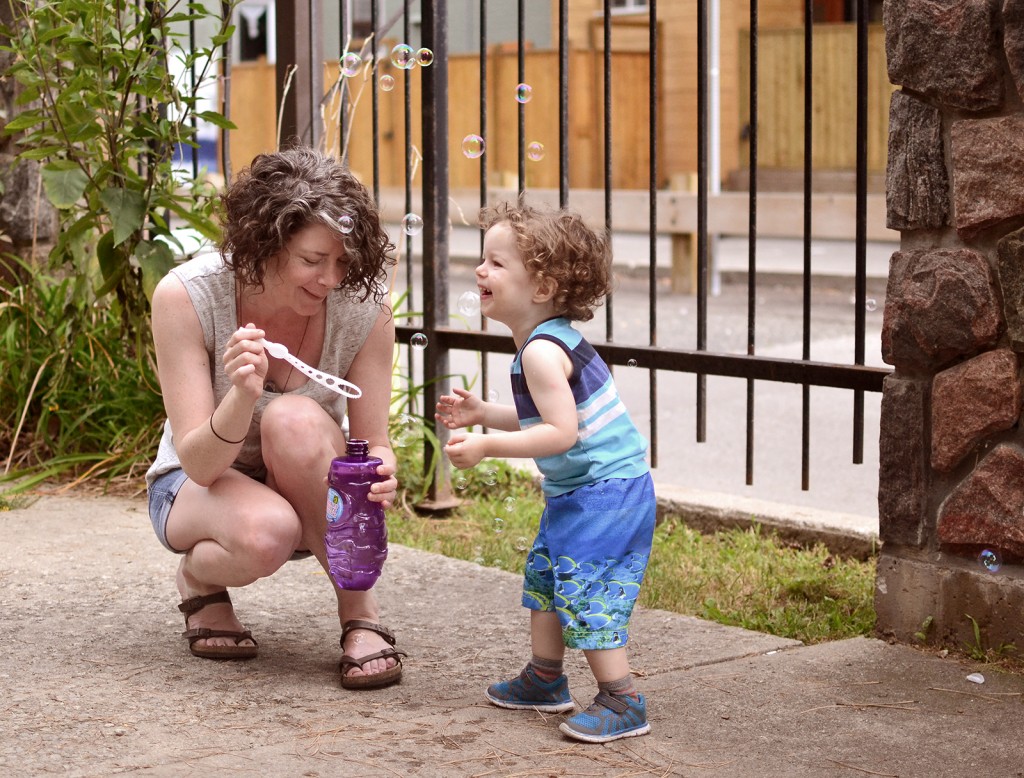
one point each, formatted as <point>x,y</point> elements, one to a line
<point>528,692</point>
<point>609,718</point>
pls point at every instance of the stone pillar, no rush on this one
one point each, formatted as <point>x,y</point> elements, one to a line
<point>951,474</point>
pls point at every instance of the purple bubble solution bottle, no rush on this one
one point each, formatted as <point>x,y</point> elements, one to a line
<point>357,537</point>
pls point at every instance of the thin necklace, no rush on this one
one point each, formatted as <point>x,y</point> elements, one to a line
<point>269,385</point>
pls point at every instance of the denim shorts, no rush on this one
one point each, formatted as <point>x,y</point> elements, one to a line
<point>161,498</point>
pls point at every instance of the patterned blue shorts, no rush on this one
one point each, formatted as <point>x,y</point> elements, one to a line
<point>589,558</point>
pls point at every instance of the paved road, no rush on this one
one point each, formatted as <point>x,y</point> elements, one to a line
<point>719,464</point>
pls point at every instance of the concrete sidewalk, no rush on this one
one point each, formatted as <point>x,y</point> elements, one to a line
<point>96,681</point>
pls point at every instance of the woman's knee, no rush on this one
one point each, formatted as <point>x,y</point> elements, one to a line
<point>297,431</point>
<point>268,538</point>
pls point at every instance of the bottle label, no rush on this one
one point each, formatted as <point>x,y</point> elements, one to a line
<point>335,505</point>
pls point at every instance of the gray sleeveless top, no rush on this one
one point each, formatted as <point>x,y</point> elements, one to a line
<point>211,286</point>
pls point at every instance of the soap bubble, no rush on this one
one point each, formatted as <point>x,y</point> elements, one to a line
<point>461,483</point>
<point>490,477</point>
<point>499,525</point>
<point>403,57</point>
<point>404,430</point>
<point>469,303</point>
<point>631,363</point>
<point>351,63</point>
<point>473,146</point>
<point>510,504</point>
<point>523,93</point>
<point>425,57</point>
<point>493,396</point>
<point>870,304</point>
<point>386,82</point>
<point>412,224</point>
<point>990,560</point>
<point>535,151</point>
<point>418,341</point>
<point>522,543</point>
<point>346,223</point>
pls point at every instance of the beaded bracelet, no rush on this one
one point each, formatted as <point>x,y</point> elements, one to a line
<point>219,437</point>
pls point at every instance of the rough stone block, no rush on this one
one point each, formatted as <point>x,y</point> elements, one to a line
<point>941,305</point>
<point>923,38</point>
<point>916,184</point>
<point>1013,41</point>
<point>902,472</point>
<point>988,171</point>
<point>987,507</point>
<point>971,401</point>
<point>1010,269</point>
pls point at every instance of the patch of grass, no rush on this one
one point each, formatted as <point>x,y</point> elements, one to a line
<point>744,578</point>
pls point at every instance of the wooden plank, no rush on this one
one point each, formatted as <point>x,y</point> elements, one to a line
<point>780,214</point>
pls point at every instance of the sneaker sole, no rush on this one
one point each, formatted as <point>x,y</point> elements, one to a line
<point>544,707</point>
<point>603,738</point>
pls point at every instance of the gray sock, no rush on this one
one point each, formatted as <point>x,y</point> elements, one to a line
<point>546,669</point>
<point>623,687</point>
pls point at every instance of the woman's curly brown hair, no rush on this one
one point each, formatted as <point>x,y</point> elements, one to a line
<point>558,244</point>
<point>281,193</point>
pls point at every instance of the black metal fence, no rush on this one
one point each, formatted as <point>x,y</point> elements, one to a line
<point>300,118</point>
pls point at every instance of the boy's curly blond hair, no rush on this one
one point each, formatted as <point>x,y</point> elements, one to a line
<point>557,244</point>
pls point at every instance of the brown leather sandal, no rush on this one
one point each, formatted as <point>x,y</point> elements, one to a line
<point>375,681</point>
<point>195,604</point>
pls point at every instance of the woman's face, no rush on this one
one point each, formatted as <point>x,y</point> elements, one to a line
<point>309,267</point>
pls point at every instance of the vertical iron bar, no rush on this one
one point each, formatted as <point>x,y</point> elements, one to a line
<point>521,70</point>
<point>225,143</point>
<point>343,93</point>
<point>193,122</point>
<point>752,239</point>
<point>563,102</point>
<point>652,195</point>
<point>609,327</point>
<point>805,405</point>
<point>315,63</point>
<point>860,316</point>
<point>485,373</point>
<point>436,171</point>
<point>702,210</point>
<point>375,106</point>
<point>410,297</point>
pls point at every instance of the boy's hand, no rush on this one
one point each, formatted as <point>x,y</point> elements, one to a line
<point>466,449</point>
<point>461,410</point>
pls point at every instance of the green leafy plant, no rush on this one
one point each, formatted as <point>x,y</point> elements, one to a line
<point>107,97</point>
<point>104,112</point>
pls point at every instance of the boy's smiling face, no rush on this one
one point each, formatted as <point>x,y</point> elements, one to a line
<point>508,292</point>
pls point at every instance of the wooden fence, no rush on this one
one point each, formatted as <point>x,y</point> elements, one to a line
<point>780,106</point>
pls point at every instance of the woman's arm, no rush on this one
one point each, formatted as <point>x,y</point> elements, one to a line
<point>184,369</point>
<point>369,414</point>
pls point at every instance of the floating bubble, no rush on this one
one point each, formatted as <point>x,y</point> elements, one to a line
<point>469,303</point>
<point>493,396</point>
<point>403,56</point>
<point>870,304</point>
<point>499,525</point>
<point>490,477</point>
<point>346,223</point>
<point>523,93</point>
<point>510,504</point>
<point>461,483</point>
<point>990,560</point>
<point>631,363</point>
<point>473,146</point>
<point>412,224</point>
<point>404,430</point>
<point>418,341</point>
<point>535,151</point>
<point>425,57</point>
<point>351,63</point>
<point>386,82</point>
<point>522,543</point>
